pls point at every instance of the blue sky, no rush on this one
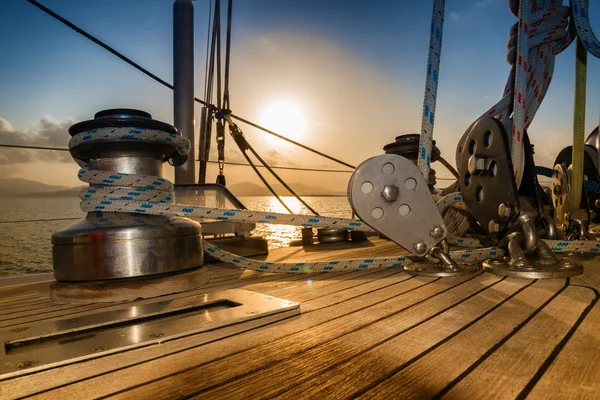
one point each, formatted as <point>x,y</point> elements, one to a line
<point>356,68</point>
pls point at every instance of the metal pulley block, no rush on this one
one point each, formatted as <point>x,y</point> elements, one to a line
<point>590,200</point>
<point>561,194</point>
<point>487,179</point>
<point>530,257</point>
<point>389,194</point>
<point>332,235</point>
<point>574,222</point>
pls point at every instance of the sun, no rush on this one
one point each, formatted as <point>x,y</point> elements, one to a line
<point>284,118</point>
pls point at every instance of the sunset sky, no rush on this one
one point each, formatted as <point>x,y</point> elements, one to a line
<point>352,72</point>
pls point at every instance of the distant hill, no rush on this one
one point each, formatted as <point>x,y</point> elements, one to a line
<point>18,187</point>
<point>72,192</point>
<point>27,188</point>
<point>252,189</point>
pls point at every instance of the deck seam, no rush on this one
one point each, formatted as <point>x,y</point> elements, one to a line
<point>560,346</point>
<point>495,347</point>
<point>441,342</point>
<point>238,333</point>
<point>311,347</point>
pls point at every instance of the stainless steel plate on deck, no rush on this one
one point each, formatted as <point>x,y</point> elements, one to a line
<point>31,348</point>
<point>435,270</point>
<point>563,269</point>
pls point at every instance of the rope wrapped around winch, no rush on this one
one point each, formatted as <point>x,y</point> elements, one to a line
<point>142,194</point>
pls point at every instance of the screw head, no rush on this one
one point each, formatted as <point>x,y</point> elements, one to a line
<point>437,232</point>
<point>504,210</point>
<point>557,189</point>
<point>493,226</point>
<point>390,193</point>
<point>476,165</point>
<point>27,364</point>
<point>420,247</point>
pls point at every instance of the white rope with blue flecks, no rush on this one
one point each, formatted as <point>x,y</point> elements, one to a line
<point>149,195</point>
<point>431,86</point>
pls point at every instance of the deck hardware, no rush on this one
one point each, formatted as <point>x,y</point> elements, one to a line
<point>390,193</point>
<point>438,263</point>
<point>332,235</point>
<point>590,200</point>
<point>27,364</point>
<point>487,179</point>
<point>133,325</point>
<point>549,228</point>
<point>108,246</point>
<point>574,222</point>
<point>407,146</point>
<point>561,194</point>
<point>398,203</point>
<point>530,257</point>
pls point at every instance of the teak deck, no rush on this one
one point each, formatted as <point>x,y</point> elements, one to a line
<point>379,333</point>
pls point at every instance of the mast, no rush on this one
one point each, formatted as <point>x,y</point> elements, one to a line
<point>183,83</point>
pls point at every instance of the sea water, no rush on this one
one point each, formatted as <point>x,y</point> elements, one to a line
<point>25,247</point>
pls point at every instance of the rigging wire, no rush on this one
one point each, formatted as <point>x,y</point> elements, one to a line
<point>240,140</point>
<point>207,43</point>
<point>18,146</point>
<point>27,147</point>
<point>220,137</point>
<point>226,105</point>
<point>267,185</point>
<point>38,220</point>
<point>22,146</point>
<point>166,84</point>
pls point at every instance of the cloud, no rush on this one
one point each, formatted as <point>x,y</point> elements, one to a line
<point>5,125</point>
<point>484,3</point>
<point>454,17</point>
<point>50,132</point>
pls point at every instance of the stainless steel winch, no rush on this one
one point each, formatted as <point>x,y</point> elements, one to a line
<point>108,245</point>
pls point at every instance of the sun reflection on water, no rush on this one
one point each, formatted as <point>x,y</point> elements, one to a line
<point>282,235</point>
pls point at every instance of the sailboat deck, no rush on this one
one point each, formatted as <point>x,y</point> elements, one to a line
<point>378,333</point>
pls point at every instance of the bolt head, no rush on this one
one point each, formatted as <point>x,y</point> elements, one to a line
<point>420,247</point>
<point>390,193</point>
<point>557,189</point>
<point>437,232</point>
<point>504,210</point>
<point>493,226</point>
<point>476,164</point>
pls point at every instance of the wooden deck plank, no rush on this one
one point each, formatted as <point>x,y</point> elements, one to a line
<point>575,373</point>
<point>507,372</point>
<point>306,325</point>
<point>430,372</point>
<point>408,331</point>
<point>355,330</point>
<point>376,333</point>
<point>355,295</point>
